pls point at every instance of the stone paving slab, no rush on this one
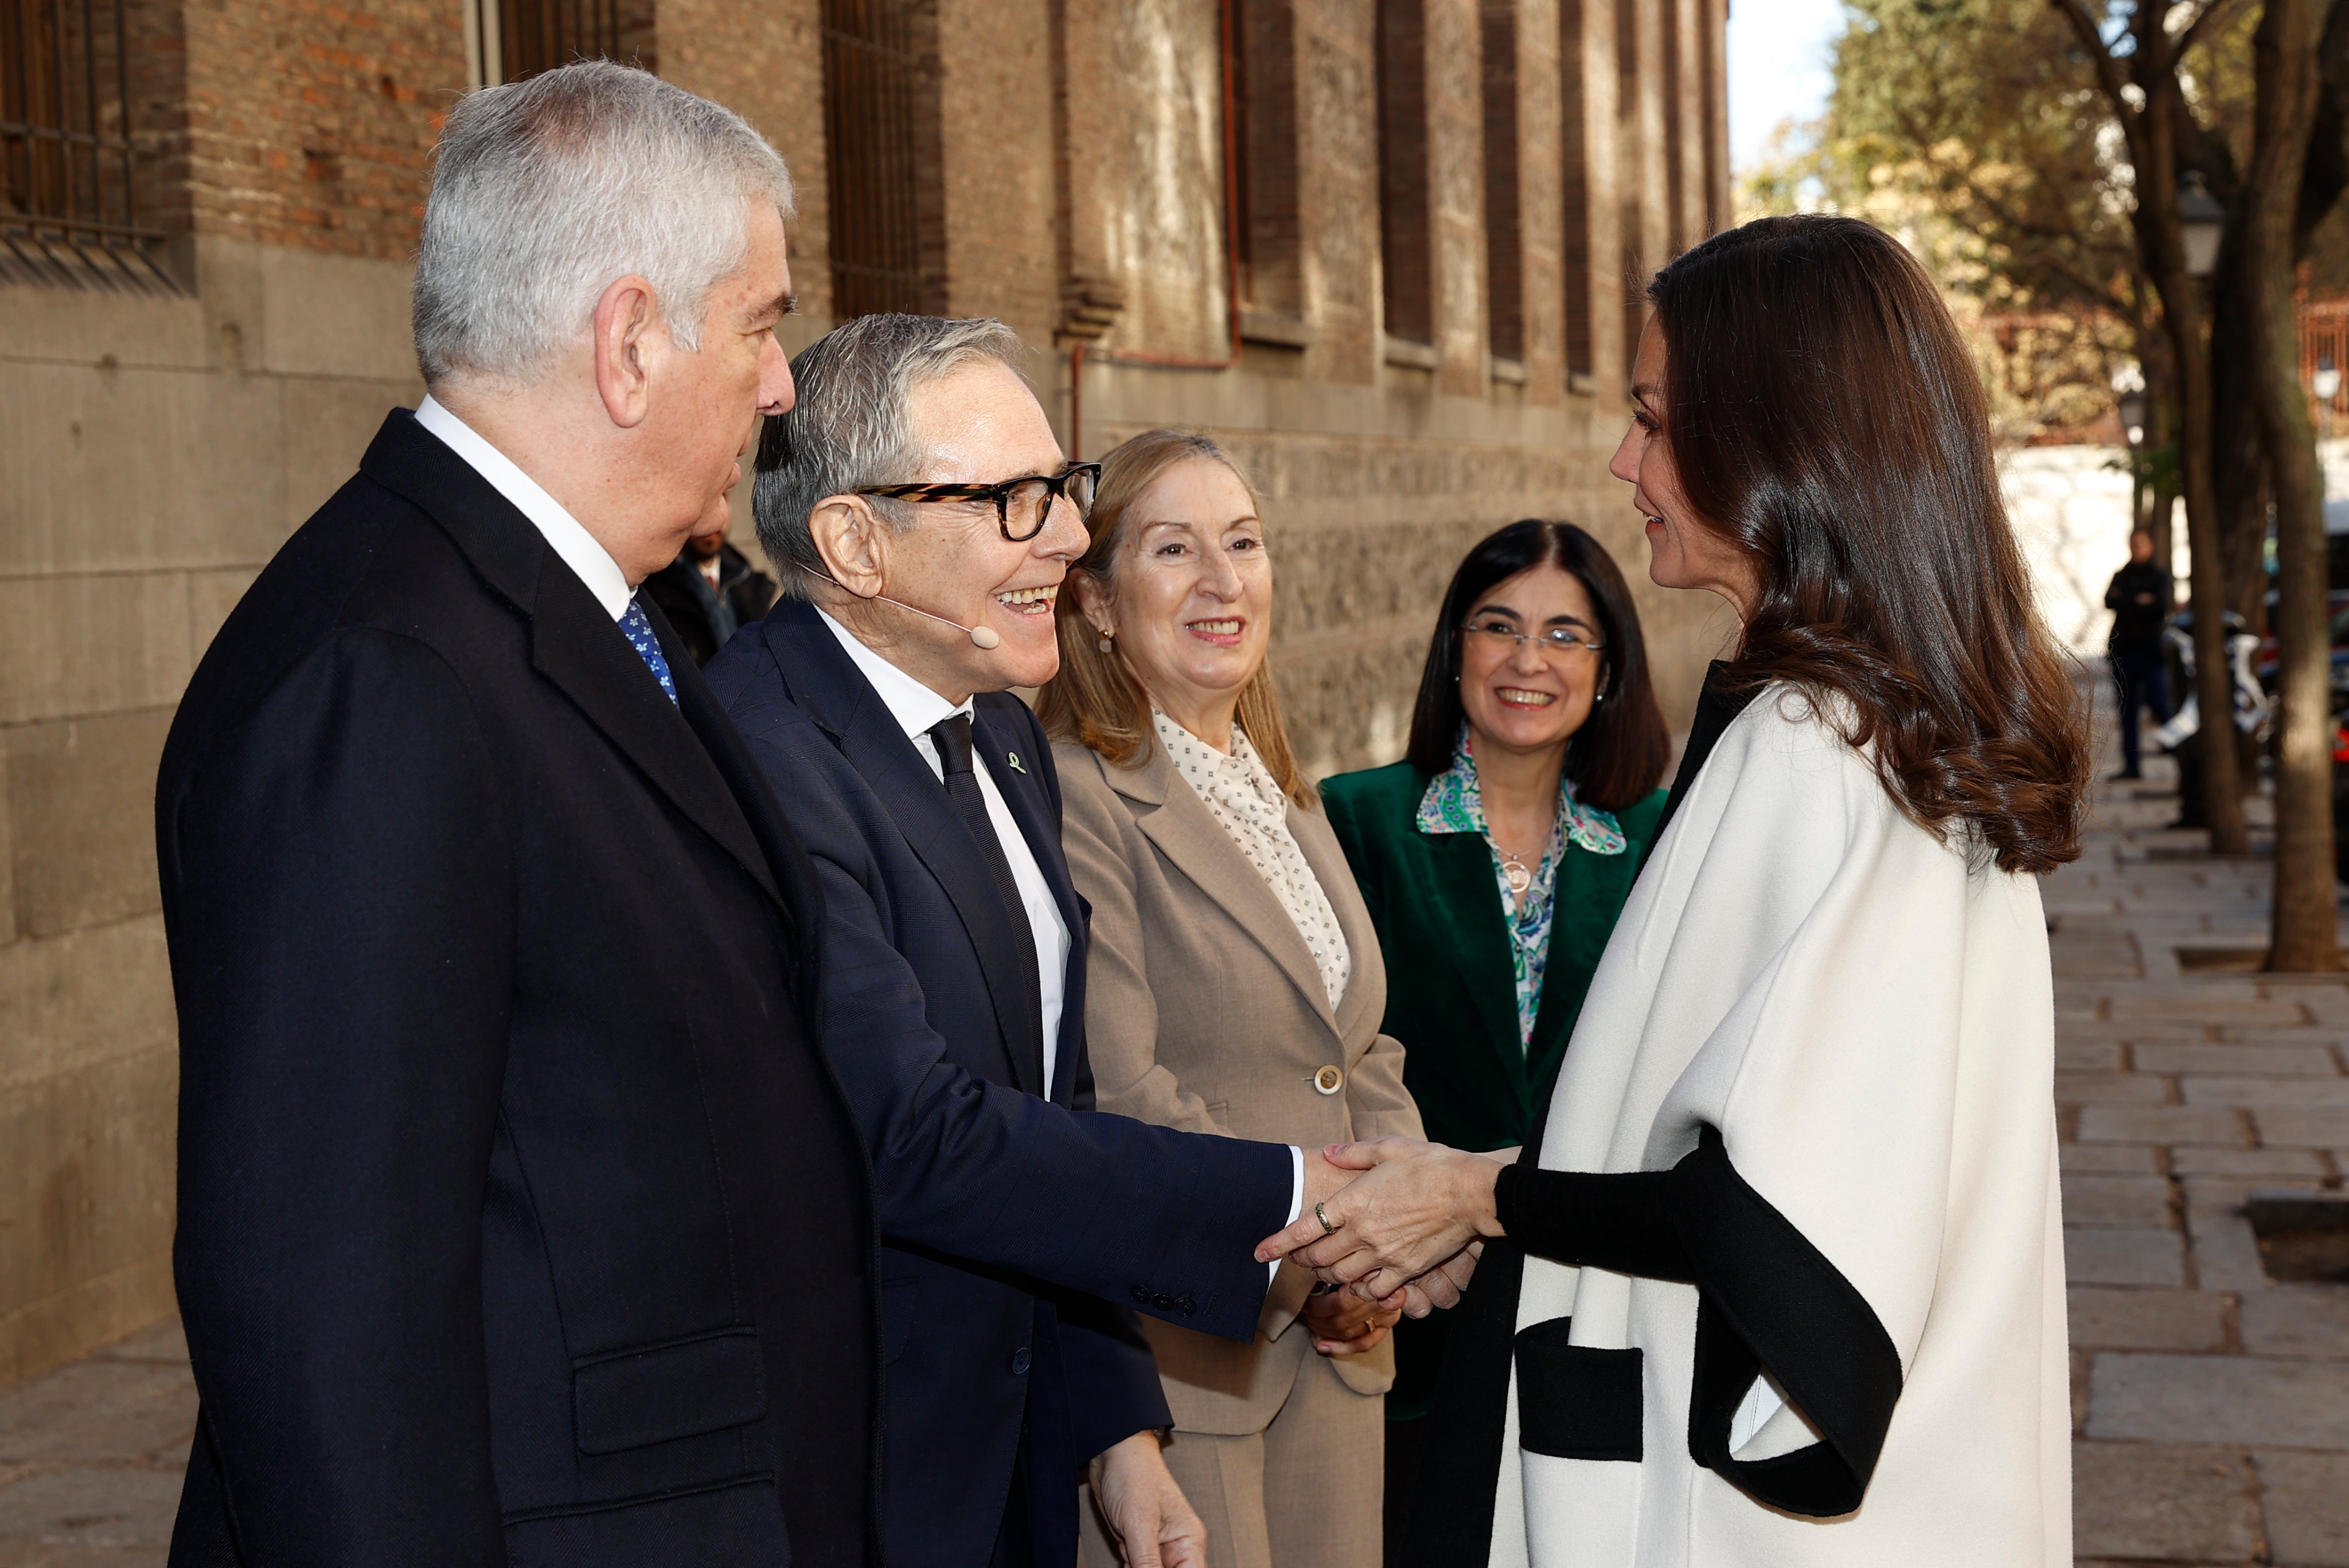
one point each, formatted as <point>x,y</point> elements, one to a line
<point>2307,1507</point>
<point>2164,1502</point>
<point>2293,1403</point>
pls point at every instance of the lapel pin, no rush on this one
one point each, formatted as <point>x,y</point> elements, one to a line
<point>1013,758</point>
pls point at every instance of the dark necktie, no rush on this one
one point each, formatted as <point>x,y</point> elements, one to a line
<point>951,736</point>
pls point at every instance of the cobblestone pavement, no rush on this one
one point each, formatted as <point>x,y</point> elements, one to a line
<point>2212,1406</point>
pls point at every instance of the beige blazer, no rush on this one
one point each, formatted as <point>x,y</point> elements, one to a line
<point>1203,1011</point>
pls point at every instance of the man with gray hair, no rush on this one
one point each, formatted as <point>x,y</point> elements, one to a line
<point>918,505</point>
<point>521,1217</point>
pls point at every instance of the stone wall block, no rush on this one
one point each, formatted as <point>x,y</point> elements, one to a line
<point>335,315</point>
<point>80,795</point>
<point>86,1175</point>
<point>69,1002</point>
<point>84,325</point>
<point>328,424</point>
<point>89,644</point>
<point>103,467</point>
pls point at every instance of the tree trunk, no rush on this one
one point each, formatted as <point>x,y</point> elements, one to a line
<point>2162,236</point>
<point>2238,462</point>
<point>2302,933</point>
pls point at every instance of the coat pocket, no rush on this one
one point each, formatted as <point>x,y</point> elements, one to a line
<point>739,1523</point>
<point>1577,1401</point>
<point>660,1392</point>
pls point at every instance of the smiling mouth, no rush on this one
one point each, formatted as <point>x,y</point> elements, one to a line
<point>1029,600</point>
<point>1518,696</point>
<point>1225,627</point>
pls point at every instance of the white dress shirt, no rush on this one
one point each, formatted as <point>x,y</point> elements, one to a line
<point>916,707</point>
<point>565,535</point>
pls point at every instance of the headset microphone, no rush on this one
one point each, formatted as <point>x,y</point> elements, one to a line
<point>981,638</point>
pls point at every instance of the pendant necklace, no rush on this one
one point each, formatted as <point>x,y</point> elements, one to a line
<point>1515,870</point>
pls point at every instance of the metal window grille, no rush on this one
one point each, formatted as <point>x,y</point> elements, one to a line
<point>71,174</point>
<point>1405,213</point>
<point>507,40</point>
<point>1505,260</point>
<point>876,93</point>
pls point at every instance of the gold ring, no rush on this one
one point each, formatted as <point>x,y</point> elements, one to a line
<point>1323,1215</point>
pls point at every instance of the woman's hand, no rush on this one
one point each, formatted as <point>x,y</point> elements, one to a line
<point>1344,1323</point>
<point>1415,1206</point>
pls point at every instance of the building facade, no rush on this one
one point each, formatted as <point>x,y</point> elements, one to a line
<point>1389,251</point>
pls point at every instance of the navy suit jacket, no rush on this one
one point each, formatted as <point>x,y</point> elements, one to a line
<point>1013,1215</point>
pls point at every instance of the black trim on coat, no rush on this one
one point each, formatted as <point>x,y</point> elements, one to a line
<point>1767,1298</point>
<point>1577,1401</point>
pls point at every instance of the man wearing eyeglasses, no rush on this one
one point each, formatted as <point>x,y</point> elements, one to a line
<point>922,517</point>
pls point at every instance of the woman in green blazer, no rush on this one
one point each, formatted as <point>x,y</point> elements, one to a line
<point>1495,856</point>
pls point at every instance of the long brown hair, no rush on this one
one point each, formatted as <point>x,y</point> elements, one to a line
<point>1096,700</point>
<point>1822,412</point>
<point>1623,747</point>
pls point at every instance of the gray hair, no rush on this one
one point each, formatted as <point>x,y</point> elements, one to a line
<point>546,190</point>
<point>850,425</point>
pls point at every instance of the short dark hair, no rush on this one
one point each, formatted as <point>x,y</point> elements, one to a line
<point>1620,751</point>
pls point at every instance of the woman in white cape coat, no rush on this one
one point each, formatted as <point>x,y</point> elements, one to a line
<point>1780,1281</point>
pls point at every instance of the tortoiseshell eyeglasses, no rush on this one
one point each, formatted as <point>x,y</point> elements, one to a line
<point>1021,505</point>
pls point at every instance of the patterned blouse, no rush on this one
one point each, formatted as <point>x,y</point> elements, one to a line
<point>1453,804</point>
<point>1239,792</point>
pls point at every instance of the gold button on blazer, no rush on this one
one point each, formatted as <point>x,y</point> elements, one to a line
<point>1203,1011</point>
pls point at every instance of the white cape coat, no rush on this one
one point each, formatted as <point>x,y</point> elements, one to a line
<point>1869,1022</point>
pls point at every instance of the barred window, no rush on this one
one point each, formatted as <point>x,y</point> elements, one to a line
<point>77,192</point>
<point>1264,139</point>
<point>1504,239</point>
<point>506,40</point>
<point>1404,208</point>
<point>882,144</point>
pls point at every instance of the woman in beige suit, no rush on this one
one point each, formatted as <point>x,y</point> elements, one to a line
<point>1233,982</point>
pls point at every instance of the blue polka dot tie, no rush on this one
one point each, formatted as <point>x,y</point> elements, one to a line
<point>639,628</point>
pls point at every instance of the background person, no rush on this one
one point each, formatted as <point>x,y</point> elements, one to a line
<point>1785,1280</point>
<point>1235,985</point>
<point>710,591</point>
<point>520,1221</point>
<point>1494,857</point>
<point>915,495</point>
<point>2139,599</point>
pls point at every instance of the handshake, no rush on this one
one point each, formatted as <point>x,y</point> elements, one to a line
<point>1395,1223</point>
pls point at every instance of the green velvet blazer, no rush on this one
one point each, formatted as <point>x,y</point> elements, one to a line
<point>1452,996</point>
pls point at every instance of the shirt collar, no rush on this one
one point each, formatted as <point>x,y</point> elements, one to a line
<point>565,535</point>
<point>1453,803</point>
<point>915,706</point>
<point>1203,766</point>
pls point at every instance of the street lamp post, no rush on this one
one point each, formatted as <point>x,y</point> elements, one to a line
<point>2204,222</point>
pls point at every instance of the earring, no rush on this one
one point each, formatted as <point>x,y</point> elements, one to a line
<point>1105,644</point>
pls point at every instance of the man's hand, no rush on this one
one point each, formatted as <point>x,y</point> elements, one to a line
<point>1415,1206</point>
<point>1344,1323</point>
<point>1153,1522</point>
